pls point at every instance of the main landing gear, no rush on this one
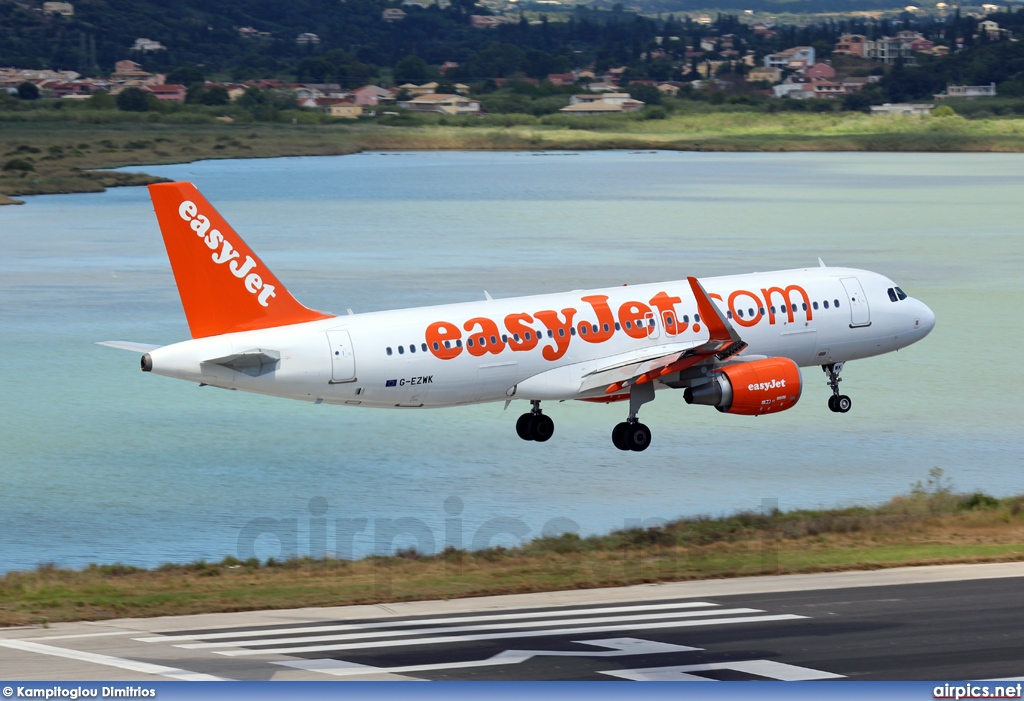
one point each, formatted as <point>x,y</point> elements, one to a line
<point>838,403</point>
<point>631,434</point>
<point>535,426</point>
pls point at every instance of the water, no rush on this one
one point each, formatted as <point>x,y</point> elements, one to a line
<point>102,463</point>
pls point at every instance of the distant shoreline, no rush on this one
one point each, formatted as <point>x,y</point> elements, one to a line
<point>76,157</point>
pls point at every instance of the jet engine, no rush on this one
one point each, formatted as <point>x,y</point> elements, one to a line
<point>759,387</point>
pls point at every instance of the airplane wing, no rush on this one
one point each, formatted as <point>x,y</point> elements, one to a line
<point>723,342</point>
<point>129,346</point>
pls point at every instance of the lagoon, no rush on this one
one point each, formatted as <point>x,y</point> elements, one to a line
<point>102,463</point>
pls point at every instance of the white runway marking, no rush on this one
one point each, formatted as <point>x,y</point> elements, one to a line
<point>506,635</point>
<point>170,637</point>
<point>618,647</point>
<point>760,668</point>
<point>120,663</point>
<point>463,629</point>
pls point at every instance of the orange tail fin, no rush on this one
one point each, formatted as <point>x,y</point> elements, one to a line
<point>224,286</point>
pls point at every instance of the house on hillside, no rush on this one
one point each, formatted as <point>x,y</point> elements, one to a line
<point>65,9</point>
<point>968,91</point>
<point>167,93</point>
<point>371,95</point>
<point>793,59</point>
<point>443,103</point>
<point>392,14</point>
<point>603,107</point>
<point>763,74</point>
<point>902,108</point>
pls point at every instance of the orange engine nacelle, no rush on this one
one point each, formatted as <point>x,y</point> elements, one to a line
<point>758,387</point>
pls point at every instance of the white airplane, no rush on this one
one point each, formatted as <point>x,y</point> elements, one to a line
<point>735,343</point>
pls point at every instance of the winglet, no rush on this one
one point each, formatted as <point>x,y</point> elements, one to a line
<point>224,286</point>
<point>717,324</point>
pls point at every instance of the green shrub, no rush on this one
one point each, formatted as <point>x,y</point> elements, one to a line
<point>17,164</point>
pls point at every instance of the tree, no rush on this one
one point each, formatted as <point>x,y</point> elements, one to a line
<point>186,75</point>
<point>132,100</point>
<point>28,91</point>
<point>645,93</point>
<point>101,100</point>
<point>411,69</point>
<point>216,96</point>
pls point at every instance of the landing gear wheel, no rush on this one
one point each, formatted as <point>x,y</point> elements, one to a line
<point>541,427</point>
<point>638,437</point>
<point>619,436</point>
<point>832,403</point>
<point>523,427</point>
<point>842,403</point>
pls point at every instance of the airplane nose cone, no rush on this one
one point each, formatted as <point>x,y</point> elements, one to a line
<point>925,320</point>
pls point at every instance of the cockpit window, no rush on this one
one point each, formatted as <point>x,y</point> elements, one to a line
<point>892,295</point>
<point>901,294</point>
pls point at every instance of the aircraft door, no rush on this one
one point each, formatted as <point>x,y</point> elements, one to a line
<point>495,380</point>
<point>860,313</point>
<point>343,359</point>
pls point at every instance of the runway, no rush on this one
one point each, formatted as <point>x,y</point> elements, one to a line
<point>930,623</point>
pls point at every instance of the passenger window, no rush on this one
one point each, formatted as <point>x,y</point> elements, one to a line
<point>515,337</point>
<point>836,302</point>
<point>617,327</point>
<point>892,295</point>
<point>469,343</point>
<point>529,337</point>
<point>447,344</point>
<point>629,324</point>
<point>597,329</point>
<point>739,312</point>
<point>815,306</point>
<point>772,309</point>
<point>669,321</point>
<point>572,330</point>
<point>389,350</point>
<point>761,309</point>
<point>423,347</point>
<point>825,303</point>
<point>482,341</point>
<point>401,350</point>
<point>696,318</point>
<point>804,305</point>
<point>583,330</point>
<point>728,315</point>
<point>437,346</point>
<point>686,318</point>
<point>412,347</point>
<point>458,344</point>
<point>606,328</point>
<point>751,313</point>
<point>561,332</point>
<point>551,334</point>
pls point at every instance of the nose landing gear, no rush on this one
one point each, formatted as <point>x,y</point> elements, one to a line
<point>839,403</point>
<point>534,425</point>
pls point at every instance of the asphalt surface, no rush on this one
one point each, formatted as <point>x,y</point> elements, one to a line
<point>937,623</point>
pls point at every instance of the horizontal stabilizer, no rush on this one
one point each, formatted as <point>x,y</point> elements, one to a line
<point>129,346</point>
<point>255,362</point>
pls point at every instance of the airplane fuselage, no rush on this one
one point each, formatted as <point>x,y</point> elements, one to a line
<point>543,347</point>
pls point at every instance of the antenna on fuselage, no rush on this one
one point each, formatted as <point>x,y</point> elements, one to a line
<point>821,263</point>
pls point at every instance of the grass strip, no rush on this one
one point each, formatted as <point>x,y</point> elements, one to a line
<point>44,157</point>
<point>931,525</point>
